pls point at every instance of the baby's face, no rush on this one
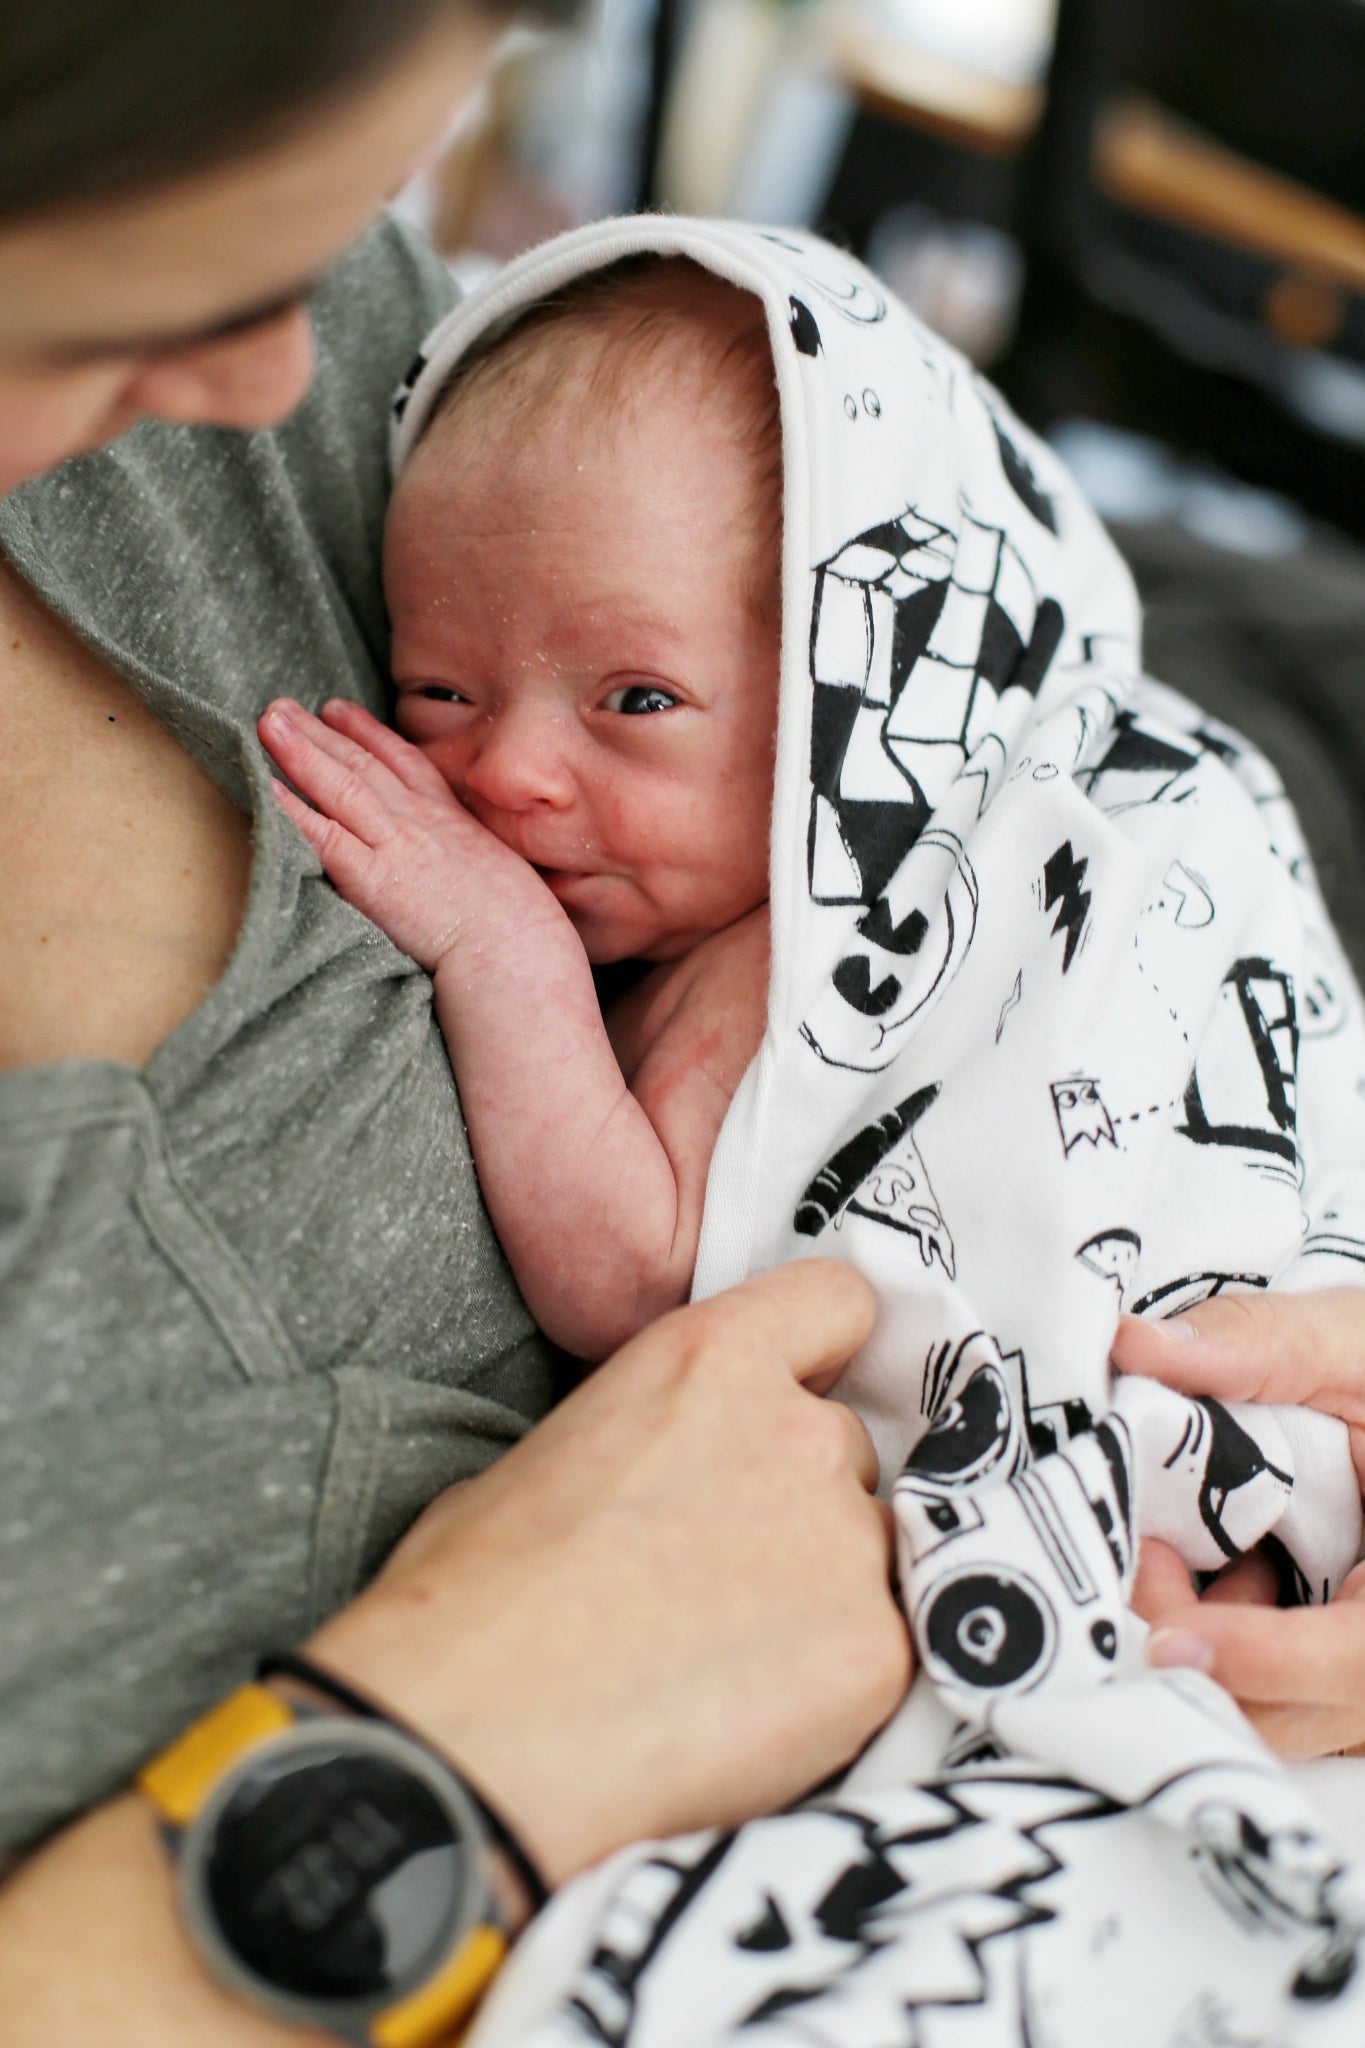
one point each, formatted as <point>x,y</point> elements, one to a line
<point>577,649</point>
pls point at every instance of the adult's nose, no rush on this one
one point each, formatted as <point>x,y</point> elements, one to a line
<point>251,378</point>
<point>522,760</point>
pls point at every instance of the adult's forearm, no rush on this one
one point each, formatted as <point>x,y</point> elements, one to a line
<point>92,1949</point>
<point>667,1607</point>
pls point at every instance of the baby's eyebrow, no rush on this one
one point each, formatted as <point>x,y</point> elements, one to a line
<point>624,614</point>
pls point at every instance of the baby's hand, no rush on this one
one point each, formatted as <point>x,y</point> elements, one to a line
<point>393,836</point>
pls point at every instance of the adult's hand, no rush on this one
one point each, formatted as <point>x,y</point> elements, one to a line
<point>1299,1673</point>
<point>669,1605</point>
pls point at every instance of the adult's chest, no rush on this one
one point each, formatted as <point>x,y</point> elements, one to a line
<point>126,869</point>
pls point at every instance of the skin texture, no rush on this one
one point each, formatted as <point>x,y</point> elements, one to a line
<point>1298,1673</point>
<point>102,956</point>
<point>699,1461</point>
<point>153,305</point>
<point>593,699</point>
<point>538,582</point>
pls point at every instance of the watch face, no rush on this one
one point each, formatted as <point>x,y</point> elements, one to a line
<point>335,1873</point>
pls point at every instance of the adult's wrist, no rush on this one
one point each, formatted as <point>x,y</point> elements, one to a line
<point>485,1734</point>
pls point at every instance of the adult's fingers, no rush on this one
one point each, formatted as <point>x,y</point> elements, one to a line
<point>1304,1348</point>
<point>1301,1658</point>
<point>1162,1591</point>
<point>1298,1733</point>
<point>809,1317</point>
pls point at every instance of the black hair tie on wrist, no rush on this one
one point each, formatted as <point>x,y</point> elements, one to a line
<point>284,1664</point>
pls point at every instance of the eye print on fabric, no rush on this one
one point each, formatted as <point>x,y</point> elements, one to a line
<point>1081,1114</point>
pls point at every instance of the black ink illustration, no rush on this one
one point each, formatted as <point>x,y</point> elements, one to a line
<point>856,1925</point>
<point>406,388</point>
<point>1114,1255</point>
<point>1022,481</point>
<point>880,1175</point>
<point>1064,1522</point>
<point>1243,1087</point>
<point>805,333</point>
<point>1174,1296</point>
<point>1336,1236</point>
<point>1139,766</point>
<point>993,1629</point>
<point>1011,1002</point>
<point>1063,879</point>
<point>1228,1459</point>
<point>839,283</point>
<point>1322,1011</point>
<point>1285,1881</point>
<point>977,1399</point>
<point>1193,903</point>
<point>911,940</point>
<point>1081,1114</point>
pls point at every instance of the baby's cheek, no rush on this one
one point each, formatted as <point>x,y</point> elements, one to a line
<point>448,756</point>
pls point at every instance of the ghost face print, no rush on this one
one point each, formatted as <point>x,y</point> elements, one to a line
<point>579,649</point>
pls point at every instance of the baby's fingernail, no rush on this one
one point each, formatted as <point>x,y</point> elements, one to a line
<point>1176,1329</point>
<point>1167,1647</point>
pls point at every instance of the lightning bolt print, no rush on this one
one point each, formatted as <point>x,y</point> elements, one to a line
<point>1063,875</point>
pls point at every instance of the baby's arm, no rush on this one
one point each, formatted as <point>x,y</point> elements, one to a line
<point>597,1205</point>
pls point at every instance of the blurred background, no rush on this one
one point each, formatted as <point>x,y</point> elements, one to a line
<point>1144,219</point>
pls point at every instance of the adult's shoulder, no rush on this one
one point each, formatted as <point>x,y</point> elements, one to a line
<point>369,314</point>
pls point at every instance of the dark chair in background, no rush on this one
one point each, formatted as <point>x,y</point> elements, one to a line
<point>1194,226</point>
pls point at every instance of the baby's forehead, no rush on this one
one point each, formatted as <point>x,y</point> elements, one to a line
<point>613,340</point>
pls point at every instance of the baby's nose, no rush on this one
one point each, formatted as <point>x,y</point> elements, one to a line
<point>523,761</point>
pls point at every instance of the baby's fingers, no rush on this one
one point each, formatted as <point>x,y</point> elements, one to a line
<point>346,860</point>
<point>343,779</point>
<point>407,762</point>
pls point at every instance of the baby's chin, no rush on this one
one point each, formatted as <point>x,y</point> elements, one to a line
<point>607,948</point>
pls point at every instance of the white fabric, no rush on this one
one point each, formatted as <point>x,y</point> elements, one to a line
<point>1057,1028</point>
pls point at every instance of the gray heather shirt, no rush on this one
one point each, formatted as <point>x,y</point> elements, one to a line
<point>252,1314</point>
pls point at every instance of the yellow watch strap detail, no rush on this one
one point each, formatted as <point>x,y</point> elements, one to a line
<point>445,2000</point>
<point>178,1781</point>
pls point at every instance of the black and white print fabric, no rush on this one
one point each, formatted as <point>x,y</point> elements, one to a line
<point>1057,1029</point>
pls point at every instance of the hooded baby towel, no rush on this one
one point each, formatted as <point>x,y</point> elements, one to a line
<point>1057,1028</point>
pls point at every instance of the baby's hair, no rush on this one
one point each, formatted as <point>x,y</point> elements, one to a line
<point>647,312</point>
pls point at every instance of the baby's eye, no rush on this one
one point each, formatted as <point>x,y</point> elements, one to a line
<point>637,699</point>
<point>436,693</point>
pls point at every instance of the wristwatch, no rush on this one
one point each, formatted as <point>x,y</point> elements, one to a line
<point>332,1867</point>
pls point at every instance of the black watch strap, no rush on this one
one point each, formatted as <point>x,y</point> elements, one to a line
<point>286,1664</point>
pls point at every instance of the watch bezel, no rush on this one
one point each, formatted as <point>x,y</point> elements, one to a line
<point>349,2018</point>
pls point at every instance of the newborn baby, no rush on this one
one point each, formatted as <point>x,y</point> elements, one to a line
<point>716,581</point>
<point>582,569</point>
